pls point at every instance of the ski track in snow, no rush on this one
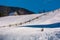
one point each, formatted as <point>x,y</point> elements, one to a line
<point>28,33</point>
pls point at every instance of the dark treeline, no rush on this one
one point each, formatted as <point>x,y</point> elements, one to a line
<point>6,10</point>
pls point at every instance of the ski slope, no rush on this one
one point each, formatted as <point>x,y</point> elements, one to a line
<point>29,33</point>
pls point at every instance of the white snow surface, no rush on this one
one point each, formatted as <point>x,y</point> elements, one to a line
<point>27,33</point>
<point>48,18</point>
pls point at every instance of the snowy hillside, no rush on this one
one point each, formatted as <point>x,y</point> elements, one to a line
<point>9,29</point>
<point>35,19</point>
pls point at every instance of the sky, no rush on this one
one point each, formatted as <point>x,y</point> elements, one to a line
<point>33,5</point>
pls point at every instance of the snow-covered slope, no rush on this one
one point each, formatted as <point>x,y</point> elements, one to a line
<point>48,18</point>
<point>16,19</point>
<point>28,33</point>
<point>43,19</point>
<point>25,33</point>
